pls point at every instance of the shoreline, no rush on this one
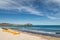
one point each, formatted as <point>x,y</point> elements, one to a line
<point>43,36</point>
<point>52,35</point>
<point>25,36</point>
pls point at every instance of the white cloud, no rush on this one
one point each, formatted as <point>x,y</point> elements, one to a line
<point>54,6</point>
<point>58,1</point>
<point>53,16</point>
<point>4,4</point>
<point>19,5</point>
<point>7,4</point>
<point>55,1</point>
<point>30,10</point>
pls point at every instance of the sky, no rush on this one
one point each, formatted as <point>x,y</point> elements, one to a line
<point>37,12</point>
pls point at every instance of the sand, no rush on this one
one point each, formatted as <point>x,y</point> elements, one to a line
<point>24,36</point>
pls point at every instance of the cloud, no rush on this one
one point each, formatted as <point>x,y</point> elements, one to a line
<point>30,10</point>
<point>53,1</point>
<point>36,7</point>
<point>58,1</point>
<point>4,4</point>
<point>54,7</point>
<point>7,4</point>
<point>51,17</point>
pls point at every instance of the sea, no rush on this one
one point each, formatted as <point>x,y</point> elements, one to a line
<point>48,30</point>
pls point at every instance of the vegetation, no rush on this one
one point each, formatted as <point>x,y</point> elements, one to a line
<point>8,24</point>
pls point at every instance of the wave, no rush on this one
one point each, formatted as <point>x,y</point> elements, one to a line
<point>36,31</point>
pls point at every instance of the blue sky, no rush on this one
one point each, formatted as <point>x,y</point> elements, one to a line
<point>37,12</point>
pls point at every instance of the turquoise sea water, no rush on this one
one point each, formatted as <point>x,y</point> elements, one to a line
<point>52,30</point>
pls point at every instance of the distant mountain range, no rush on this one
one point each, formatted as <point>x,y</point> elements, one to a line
<point>8,24</point>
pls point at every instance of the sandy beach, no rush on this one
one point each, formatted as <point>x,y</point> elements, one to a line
<point>24,36</point>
